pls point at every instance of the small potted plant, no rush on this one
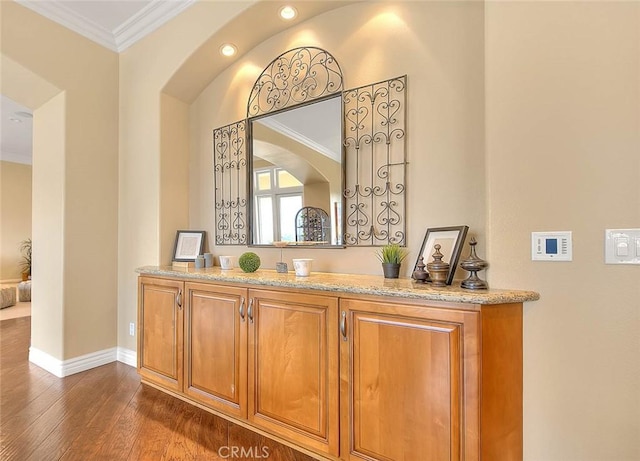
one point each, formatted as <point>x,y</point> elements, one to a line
<point>391,257</point>
<point>25,263</point>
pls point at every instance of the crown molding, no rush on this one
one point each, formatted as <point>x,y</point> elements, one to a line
<point>145,21</point>
<point>300,138</point>
<point>148,19</point>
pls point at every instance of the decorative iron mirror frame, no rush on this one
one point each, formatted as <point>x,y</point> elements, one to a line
<point>230,189</point>
<point>297,78</point>
<point>375,116</point>
<point>374,154</point>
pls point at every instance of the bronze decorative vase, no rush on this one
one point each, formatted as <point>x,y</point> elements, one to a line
<point>438,269</point>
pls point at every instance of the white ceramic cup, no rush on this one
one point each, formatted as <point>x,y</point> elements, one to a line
<point>226,262</point>
<point>302,267</point>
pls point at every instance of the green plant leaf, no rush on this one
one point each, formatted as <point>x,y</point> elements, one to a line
<point>392,253</point>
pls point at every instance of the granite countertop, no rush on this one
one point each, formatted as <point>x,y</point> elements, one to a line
<point>346,283</point>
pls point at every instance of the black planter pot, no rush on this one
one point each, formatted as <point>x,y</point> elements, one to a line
<point>391,270</point>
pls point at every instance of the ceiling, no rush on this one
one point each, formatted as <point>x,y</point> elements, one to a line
<point>16,128</point>
<point>114,24</point>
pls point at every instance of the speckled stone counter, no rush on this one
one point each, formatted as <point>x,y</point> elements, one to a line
<point>346,283</point>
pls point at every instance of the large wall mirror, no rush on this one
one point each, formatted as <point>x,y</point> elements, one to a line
<point>297,175</point>
<point>312,164</point>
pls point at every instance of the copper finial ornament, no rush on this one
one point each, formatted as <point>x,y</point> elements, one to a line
<point>438,269</point>
<point>473,264</point>
<point>420,275</point>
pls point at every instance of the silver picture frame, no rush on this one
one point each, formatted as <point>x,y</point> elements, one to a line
<point>189,244</point>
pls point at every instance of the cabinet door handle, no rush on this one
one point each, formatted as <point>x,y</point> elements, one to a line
<point>343,325</point>
<point>250,310</point>
<point>242,309</point>
<point>179,299</point>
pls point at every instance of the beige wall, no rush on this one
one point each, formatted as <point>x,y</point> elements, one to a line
<point>75,178</point>
<point>563,153</point>
<point>15,216</point>
<point>48,306</point>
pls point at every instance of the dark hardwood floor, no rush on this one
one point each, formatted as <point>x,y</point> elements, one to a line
<point>106,414</point>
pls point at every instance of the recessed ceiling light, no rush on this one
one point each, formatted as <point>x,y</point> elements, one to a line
<point>228,49</point>
<point>288,12</point>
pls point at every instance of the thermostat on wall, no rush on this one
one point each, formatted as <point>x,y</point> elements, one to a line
<point>551,246</point>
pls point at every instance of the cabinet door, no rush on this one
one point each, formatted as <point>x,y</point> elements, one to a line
<point>160,331</point>
<point>293,367</point>
<point>215,353</point>
<point>405,382</point>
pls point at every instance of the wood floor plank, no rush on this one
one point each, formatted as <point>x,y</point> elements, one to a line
<point>48,437</point>
<point>34,396</point>
<point>257,446</point>
<point>18,395</point>
<point>127,428</point>
<point>151,442</point>
<point>213,434</point>
<point>184,435</point>
<point>99,430</point>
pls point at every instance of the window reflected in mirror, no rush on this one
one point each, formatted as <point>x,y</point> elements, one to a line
<point>278,197</point>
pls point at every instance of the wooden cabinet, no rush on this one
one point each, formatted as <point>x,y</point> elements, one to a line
<point>160,327</point>
<point>262,356</point>
<point>293,367</point>
<point>430,384</point>
<point>346,376</point>
<point>215,351</point>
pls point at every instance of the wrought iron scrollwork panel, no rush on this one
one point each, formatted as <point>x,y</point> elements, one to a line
<point>374,118</point>
<point>296,76</point>
<point>230,183</point>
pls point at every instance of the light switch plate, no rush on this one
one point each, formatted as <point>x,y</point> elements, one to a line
<point>551,246</point>
<point>622,246</point>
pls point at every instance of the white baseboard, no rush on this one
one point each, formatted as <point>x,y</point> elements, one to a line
<point>128,357</point>
<point>62,368</point>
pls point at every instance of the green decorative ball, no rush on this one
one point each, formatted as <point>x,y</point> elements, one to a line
<point>249,262</point>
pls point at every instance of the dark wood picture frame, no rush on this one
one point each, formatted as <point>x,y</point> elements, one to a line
<point>451,239</point>
<point>189,244</point>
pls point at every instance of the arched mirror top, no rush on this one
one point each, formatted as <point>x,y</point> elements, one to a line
<point>295,77</point>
